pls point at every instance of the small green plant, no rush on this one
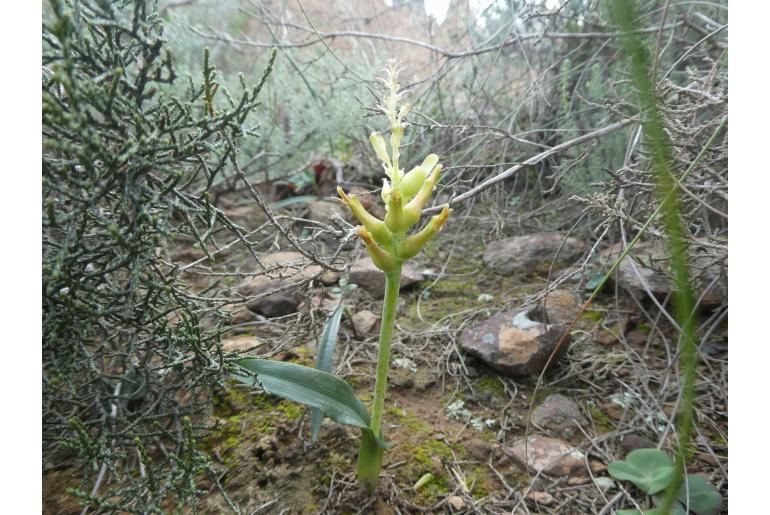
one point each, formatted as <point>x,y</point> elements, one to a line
<point>405,195</point>
<point>652,471</point>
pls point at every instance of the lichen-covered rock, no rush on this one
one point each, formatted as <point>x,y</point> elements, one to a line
<point>526,253</point>
<point>370,278</point>
<point>548,455</point>
<point>513,343</point>
<point>559,416</point>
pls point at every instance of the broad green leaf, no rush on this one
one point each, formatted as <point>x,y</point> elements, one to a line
<point>649,469</point>
<point>705,499</point>
<point>309,386</point>
<point>324,362</point>
<point>675,510</point>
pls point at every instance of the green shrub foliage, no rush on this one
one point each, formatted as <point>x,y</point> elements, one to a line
<point>126,167</point>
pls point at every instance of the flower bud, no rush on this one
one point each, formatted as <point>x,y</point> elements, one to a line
<point>414,243</point>
<point>413,209</point>
<point>378,144</point>
<point>385,193</point>
<point>394,219</point>
<point>381,258</point>
<point>413,181</point>
<point>374,225</point>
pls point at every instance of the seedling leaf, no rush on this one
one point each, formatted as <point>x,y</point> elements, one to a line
<point>649,469</point>
<point>705,499</point>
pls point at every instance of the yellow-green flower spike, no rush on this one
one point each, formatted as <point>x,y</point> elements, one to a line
<point>381,258</point>
<point>412,245</point>
<point>374,225</point>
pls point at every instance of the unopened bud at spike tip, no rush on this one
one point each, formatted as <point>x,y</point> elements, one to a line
<point>380,148</point>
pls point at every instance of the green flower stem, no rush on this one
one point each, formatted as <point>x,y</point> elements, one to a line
<point>370,455</point>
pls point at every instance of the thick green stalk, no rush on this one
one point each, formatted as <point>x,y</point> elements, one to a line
<point>370,455</point>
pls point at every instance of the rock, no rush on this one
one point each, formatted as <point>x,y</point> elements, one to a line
<point>480,450</point>
<point>242,316</point>
<point>275,305</point>
<point>561,307</point>
<point>456,502</point>
<point>549,455</point>
<point>648,264</point>
<point>285,268</point>
<point>605,484</point>
<point>370,278</point>
<point>365,322</point>
<point>240,343</point>
<point>513,344</point>
<point>613,410</point>
<point>542,498</point>
<point>526,253</point>
<point>633,442</point>
<point>597,467</point>
<point>424,378</point>
<point>325,210</point>
<point>266,447</point>
<point>558,415</point>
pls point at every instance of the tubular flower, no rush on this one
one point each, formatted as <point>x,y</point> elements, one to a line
<point>404,195</point>
<point>381,258</point>
<point>412,244</point>
<point>374,225</point>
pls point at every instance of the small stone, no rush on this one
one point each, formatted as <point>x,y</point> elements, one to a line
<point>613,410</point>
<point>401,378</point>
<point>578,480</point>
<point>365,322</point>
<point>266,447</point>
<point>456,502</point>
<point>275,305</point>
<point>526,253</point>
<point>424,378</point>
<point>286,268</point>
<point>632,442</point>
<point>370,278</point>
<point>604,483</point>
<point>542,498</point>
<point>243,316</point>
<point>513,343</point>
<point>561,307</point>
<point>548,455</point>
<point>240,343</point>
<point>597,467</point>
<point>559,415</point>
<point>326,210</point>
<point>479,450</point>
<point>648,266</point>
